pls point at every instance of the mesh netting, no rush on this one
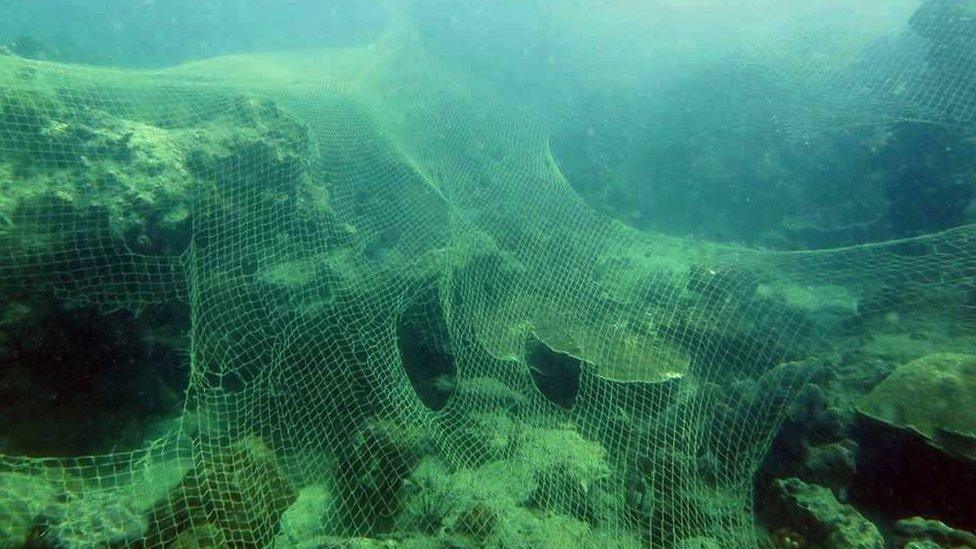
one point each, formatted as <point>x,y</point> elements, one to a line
<point>333,216</point>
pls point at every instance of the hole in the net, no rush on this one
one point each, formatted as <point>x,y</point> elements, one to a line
<point>425,351</point>
<point>77,381</point>
<point>555,374</point>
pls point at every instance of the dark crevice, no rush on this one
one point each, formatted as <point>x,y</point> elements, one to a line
<point>555,374</point>
<point>76,381</point>
<point>425,351</point>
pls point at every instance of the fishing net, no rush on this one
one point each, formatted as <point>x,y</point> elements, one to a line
<point>333,218</point>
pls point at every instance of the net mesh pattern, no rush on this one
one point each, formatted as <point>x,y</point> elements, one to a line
<point>375,200</point>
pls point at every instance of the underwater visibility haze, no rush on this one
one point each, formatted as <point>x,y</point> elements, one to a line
<point>514,274</point>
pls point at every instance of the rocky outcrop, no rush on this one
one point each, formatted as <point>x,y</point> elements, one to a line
<point>919,532</point>
<point>815,514</point>
<point>95,191</point>
<point>918,442</point>
<point>929,397</point>
<point>96,201</point>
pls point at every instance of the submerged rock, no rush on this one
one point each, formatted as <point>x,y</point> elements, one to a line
<point>99,519</point>
<point>638,357</point>
<point>931,397</point>
<point>122,180</point>
<point>919,531</point>
<point>831,465</point>
<point>253,497</point>
<point>899,474</point>
<point>549,492</point>
<point>372,472</point>
<point>23,498</point>
<point>827,306</point>
<point>306,519</point>
<point>819,518</point>
<point>53,507</point>
<point>917,435</point>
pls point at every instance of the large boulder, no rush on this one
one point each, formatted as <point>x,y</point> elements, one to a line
<point>917,430</point>
<point>934,397</point>
<point>86,181</point>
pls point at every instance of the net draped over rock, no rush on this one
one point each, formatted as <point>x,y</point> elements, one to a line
<point>332,215</point>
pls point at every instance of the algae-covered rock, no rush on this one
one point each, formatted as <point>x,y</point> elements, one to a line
<point>487,437</point>
<point>427,498</point>
<point>467,505</point>
<point>546,493</point>
<point>826,306</point>
<point>112,174</point>
<point>492,506</point>
<point>815,513</point>
<point>371,473</point>
<point>121,180</point>
<point>548,448</point>
<point>333,542</point>
<point>919,531</point>
<point>98,519</point>
<point>535,530</point>
<point>934,397</point>
<point>83,517</point>
<point>638,356</point>
<point>306,519</point>
<point>23,498</point>
<point>831,465</point>
<point>569,471</point>
<point>92,515</point>
<point>235,497</point>
<point>493,392</point>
